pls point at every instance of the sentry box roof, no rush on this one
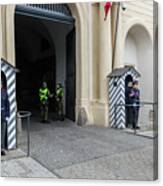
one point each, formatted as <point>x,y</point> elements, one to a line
<point>118,72</point>
<point>8,64</point>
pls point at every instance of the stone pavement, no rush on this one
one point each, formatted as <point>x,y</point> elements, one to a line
<point>22,166</point>
<point>132,165</point>
<point>148,134</point>
<point>66,150</point>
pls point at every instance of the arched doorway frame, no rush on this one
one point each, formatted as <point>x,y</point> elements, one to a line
<point>148,36</point>
<point>131,24</point>
<point>143,38</point>
<point>78,12</point>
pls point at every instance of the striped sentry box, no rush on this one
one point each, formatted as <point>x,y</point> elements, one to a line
<point>10,73</point>
<point>116,95</point>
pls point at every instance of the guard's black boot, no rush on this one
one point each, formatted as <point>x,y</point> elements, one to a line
<point>46,121</point>
<point>62,118</point>
<point>3,153</point>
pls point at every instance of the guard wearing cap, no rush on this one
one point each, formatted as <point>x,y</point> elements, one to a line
<point>136,104</point>
<point>5,113</point>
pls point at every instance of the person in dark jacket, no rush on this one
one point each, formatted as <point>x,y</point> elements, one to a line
<point>136,104</point>
<point>5,113</point>
<point>129,101</point>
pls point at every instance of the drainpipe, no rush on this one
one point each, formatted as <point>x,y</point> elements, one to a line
<point>115,23</point>
<point>114,35</point>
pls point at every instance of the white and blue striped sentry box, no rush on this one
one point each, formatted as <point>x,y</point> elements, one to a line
<point>9,72</point>
<point>116,92</point>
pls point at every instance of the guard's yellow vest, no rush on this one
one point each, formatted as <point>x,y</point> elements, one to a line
<point>44,94</point>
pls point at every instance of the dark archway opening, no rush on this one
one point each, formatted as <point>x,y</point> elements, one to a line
<point>128,79</point>
<point>4,86</point>
<point>3,80</point>
<point>40,56</point>
<point>35,57</point>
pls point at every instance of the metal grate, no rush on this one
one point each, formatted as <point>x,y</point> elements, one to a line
<point>57,8</point>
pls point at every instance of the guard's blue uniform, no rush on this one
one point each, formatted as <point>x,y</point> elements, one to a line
<point>5,112</point>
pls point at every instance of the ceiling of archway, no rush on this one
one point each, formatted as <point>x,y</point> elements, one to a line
<point>53,12</point>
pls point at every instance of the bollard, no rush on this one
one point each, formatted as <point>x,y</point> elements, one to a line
<point>25,115</point>
<point>19,124</point>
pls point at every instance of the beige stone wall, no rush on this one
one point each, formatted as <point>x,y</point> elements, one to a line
<point>102,54</point>
<point>137,12</point>
<point>93,49</point>
<point>7,33</point>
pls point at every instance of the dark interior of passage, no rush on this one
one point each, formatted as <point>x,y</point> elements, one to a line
<point>36,60</point>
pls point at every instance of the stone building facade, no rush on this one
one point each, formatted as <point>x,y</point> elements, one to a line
<point>94,44</point>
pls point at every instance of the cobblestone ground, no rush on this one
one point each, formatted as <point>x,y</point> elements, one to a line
<point>70,151</point>
<point>24,167</point>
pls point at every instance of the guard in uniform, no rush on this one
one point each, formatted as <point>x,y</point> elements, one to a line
<point>136,104</point>
<point>59,100</point>
<point>44,95</point>
<point>5,114</point>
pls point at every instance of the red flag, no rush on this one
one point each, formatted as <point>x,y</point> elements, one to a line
<point>106,8</point>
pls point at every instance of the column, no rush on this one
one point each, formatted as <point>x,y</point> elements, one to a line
<point>105,56</point>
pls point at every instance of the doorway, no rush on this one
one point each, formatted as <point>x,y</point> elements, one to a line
<point>138,52</point>
<point>3,80</point>
<point>128,79</point>
<point>128,113</point>
<point>45,51</point>
<point>4,86</point>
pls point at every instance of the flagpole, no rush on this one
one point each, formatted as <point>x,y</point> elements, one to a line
<point>115,37</point>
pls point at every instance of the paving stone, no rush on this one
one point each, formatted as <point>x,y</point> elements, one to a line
<point>132,165</point>
<point>24,167</point>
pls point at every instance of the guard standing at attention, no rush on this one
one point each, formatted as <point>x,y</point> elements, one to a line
<point>5,114</point>
<point>136,105</point>
<point>44,95</point>
<point>59,100</point>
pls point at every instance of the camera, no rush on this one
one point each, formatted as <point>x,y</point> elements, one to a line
<point>123,6</point>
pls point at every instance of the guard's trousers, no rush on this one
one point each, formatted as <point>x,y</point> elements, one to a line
<point>44,112</point>
<point>60,110</point>
<point>135,116</point>
<point>3,134</point>
<point>129,116</point>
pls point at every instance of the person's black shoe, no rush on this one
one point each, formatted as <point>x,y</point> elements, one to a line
<point>138,127</point>
<point>3,153</point>
<point>47,121</point>
<point>62,119</point>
